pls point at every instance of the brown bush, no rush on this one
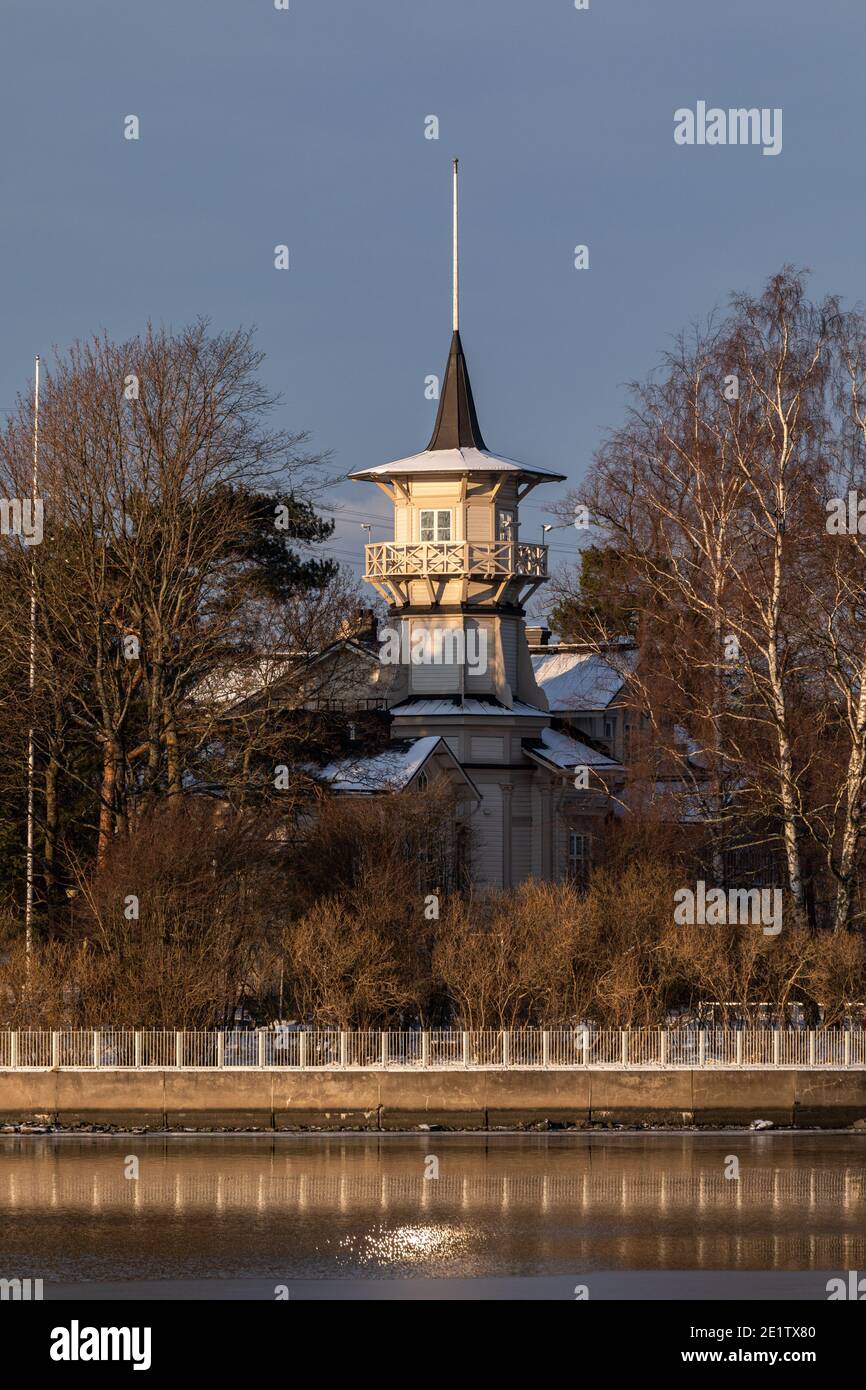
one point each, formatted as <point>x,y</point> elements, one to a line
<point>346,922</point>
<point>344,970</point>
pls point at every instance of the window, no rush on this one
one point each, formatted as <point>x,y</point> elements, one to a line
<point>421,781</point>
<point>435,526</point>
<point>505,526</point>
<point>579,857</point>
<point>608,728</point>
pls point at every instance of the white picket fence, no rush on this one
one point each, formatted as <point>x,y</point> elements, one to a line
<point>553,1049</point>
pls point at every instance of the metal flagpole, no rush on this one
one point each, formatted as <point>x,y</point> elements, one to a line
<point>31,739</point>
<point>455,316</point>
<point>455,324</point>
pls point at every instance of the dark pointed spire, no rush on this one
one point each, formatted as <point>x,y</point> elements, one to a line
<point>456,421</point>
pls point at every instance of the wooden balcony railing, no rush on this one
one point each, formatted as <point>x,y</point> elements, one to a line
<point>462,559</point>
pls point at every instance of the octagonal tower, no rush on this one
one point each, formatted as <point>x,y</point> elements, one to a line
<point>458,569</point>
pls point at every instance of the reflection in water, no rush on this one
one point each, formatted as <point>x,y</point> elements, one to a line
<point>360,1206</point>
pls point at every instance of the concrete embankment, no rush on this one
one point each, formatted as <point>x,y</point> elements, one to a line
<point>448,1099</point>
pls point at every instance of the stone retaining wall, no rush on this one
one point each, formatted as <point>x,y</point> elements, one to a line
<point>452,1099</point>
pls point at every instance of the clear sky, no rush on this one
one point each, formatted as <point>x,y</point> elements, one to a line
<point>305,127</point>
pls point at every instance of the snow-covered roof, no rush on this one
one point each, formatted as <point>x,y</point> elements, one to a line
<point>696,753</point>
<point>562,751</point>
<point>243,683</point>
<point>239,683</point>
<point>450,705</point>
<point>392,769</point>
<point>684,804</point>
<point>459,461</point>
<point>581,681</point>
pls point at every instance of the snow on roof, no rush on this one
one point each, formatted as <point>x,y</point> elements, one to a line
<point>454,461</point>
<point>695,752</point>
<point>390,770</point>
<point>450,705</point>
<point>241,682</point>
<point>393,768</point>
<point>561,750</point>
<point>680,803</point>
<point>577,681</point>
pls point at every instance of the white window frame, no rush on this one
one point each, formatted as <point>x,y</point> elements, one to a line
<point>579,865</point>
<point>437,513</point>
<point>501,513</point>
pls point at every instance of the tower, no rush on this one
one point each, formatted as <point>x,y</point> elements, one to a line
<point>457,577</point>
<point>457,570</point>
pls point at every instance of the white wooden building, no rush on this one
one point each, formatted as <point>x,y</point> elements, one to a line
<point>456,578</point>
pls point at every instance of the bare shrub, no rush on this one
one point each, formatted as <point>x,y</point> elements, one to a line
<point>344,971</point>
<point>506,959</point>
<point>166,935</point>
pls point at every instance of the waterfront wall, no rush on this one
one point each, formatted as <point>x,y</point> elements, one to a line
<point>371,1099</point>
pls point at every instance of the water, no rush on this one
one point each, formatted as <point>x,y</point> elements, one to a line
<point>628,1215</point>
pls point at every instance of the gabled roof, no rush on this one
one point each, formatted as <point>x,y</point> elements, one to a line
<point>243,685</point>
<point>577,682</point>
<point>238,684</point>
<point>393,769</point>
<point>560,751</point>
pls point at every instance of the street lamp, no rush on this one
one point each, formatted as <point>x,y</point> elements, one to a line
<point>549,526</point>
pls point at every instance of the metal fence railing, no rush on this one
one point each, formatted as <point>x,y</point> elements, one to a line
<point>547,1049</point>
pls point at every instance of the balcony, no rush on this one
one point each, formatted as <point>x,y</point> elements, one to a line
<point>455,559</point>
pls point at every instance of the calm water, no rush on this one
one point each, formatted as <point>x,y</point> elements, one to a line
<point>355,1216</point>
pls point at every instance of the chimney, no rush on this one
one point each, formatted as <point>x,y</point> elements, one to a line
<point>538,636</point>
<point>363,625</point>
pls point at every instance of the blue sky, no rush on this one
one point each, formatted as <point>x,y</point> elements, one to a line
<point>306,127</point>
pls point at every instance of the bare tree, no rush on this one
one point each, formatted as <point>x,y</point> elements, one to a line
<point>176,519</point>
<point>708,493</point>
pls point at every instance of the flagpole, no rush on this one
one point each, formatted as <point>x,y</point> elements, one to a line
<point>455,324</point>
<point>31,737</point>
<point>455,300</point>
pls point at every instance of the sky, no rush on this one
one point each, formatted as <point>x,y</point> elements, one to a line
<point>305,127</point>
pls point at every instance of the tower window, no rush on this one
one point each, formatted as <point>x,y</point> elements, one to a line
<point>505,525</point>
<point>435,526</point>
